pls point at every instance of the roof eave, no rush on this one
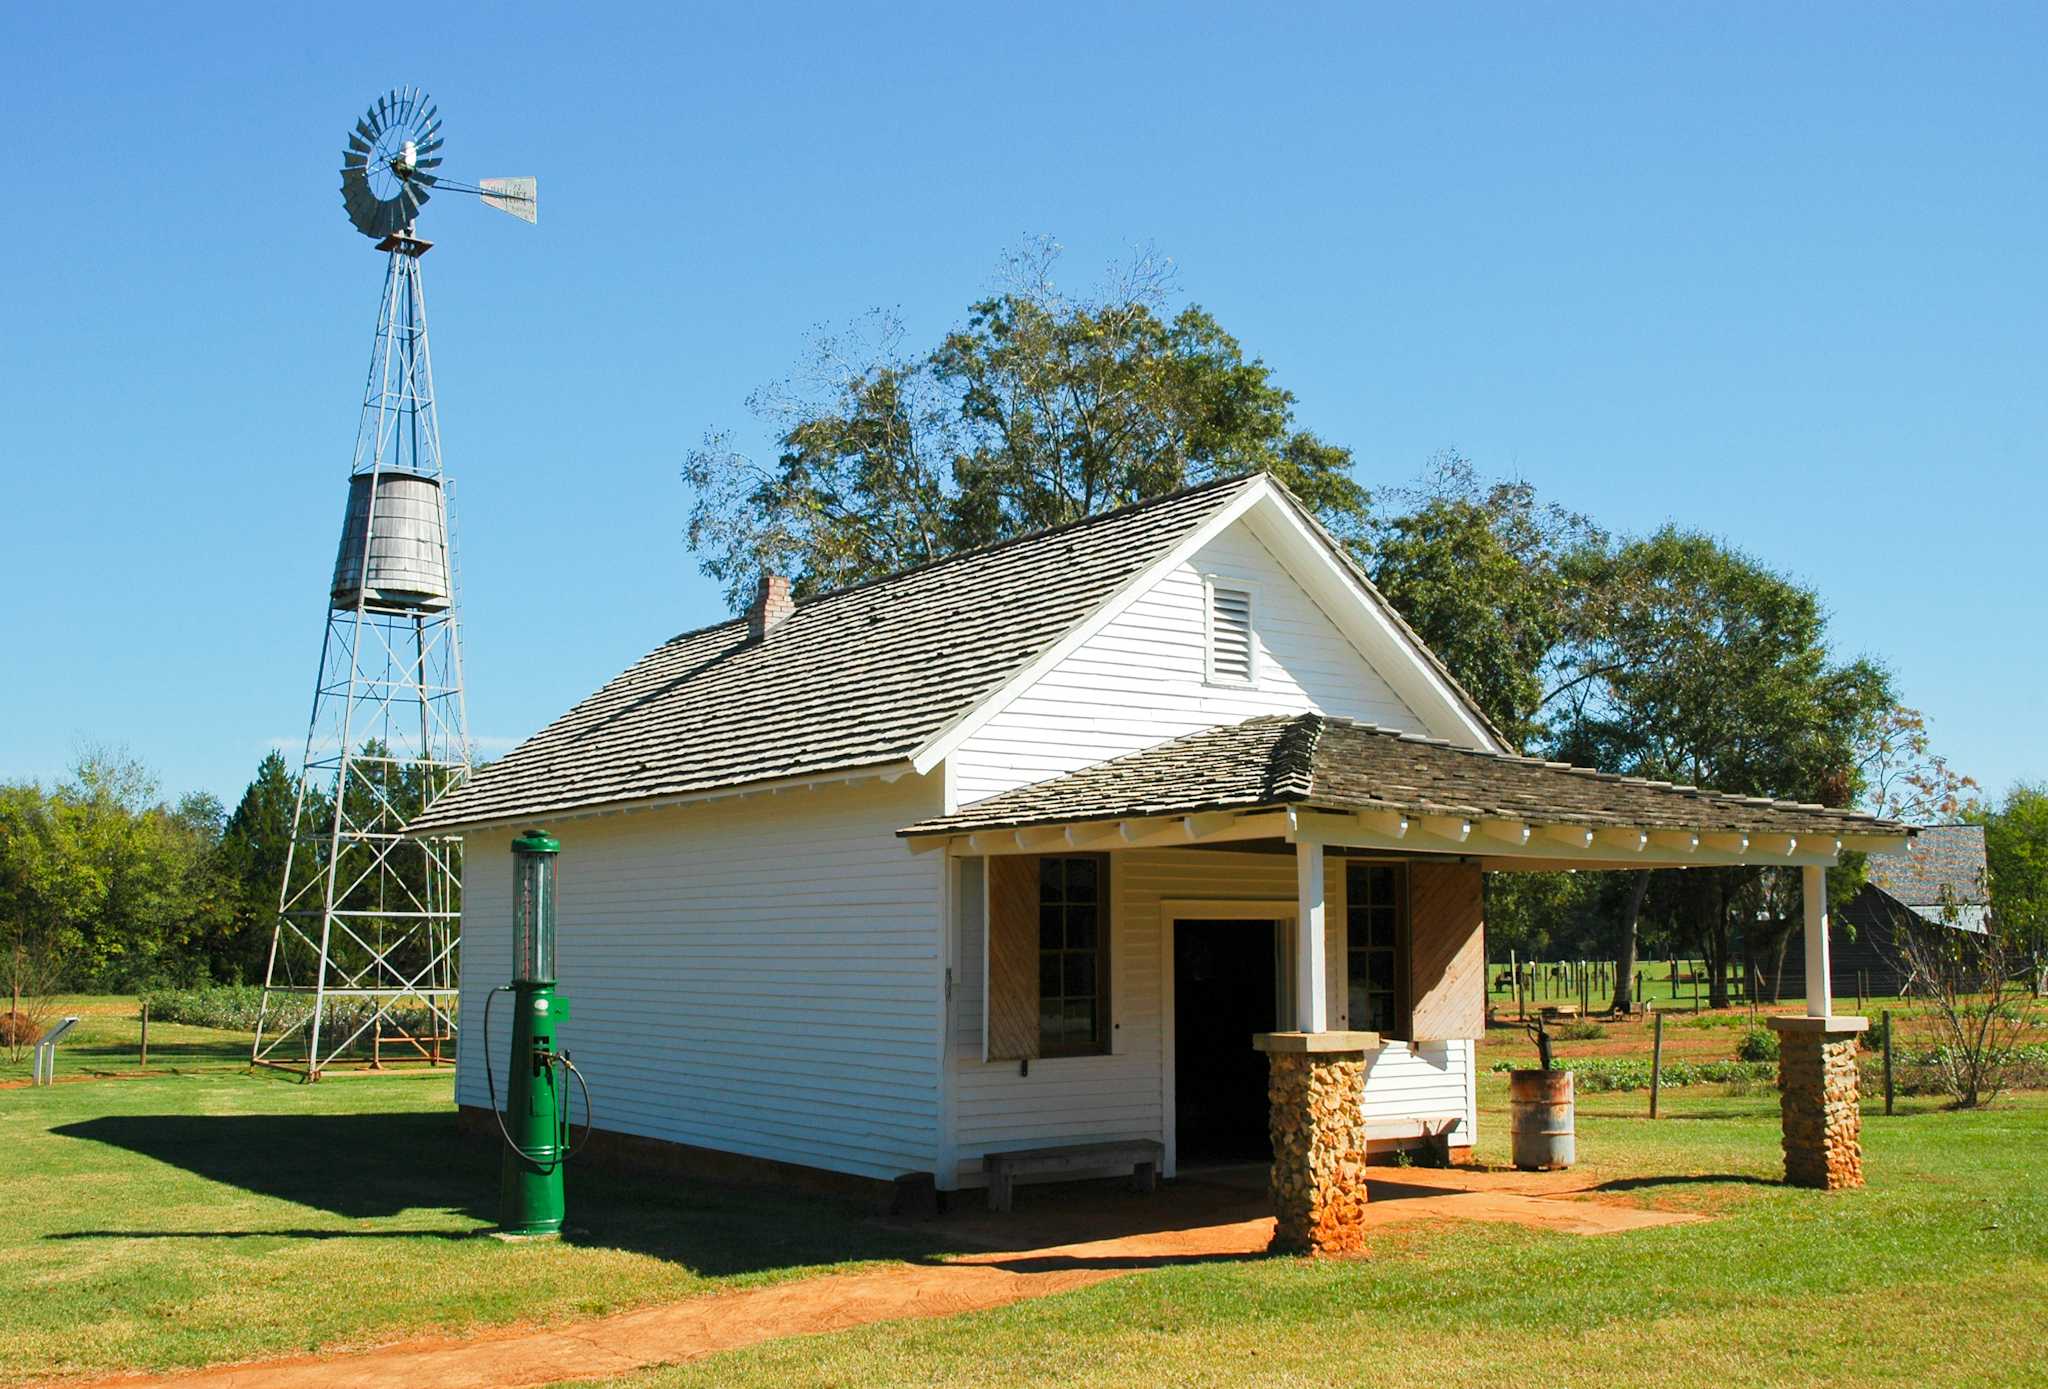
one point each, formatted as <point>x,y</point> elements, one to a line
<point>887,771</point>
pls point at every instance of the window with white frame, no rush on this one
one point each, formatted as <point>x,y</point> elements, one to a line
<point>1233,654</point>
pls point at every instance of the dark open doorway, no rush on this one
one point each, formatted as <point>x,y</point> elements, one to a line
<point>1223,992</point>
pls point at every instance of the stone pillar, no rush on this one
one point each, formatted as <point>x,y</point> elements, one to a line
<point>1817,1097</point>
<point>1317,1093</point>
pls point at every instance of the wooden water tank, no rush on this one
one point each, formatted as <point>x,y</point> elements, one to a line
<point>404,564</point>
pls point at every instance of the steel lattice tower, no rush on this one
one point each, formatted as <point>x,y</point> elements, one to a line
<point>363,959</point>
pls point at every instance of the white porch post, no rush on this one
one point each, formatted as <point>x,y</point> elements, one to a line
<point>1311,977</point>
<point>1818,1103</point>
<point>1820,994</point>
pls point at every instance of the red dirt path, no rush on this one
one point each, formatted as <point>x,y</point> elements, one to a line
<point>1192,1221</point>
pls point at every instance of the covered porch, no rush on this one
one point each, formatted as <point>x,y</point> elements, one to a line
<point>1311,802</point>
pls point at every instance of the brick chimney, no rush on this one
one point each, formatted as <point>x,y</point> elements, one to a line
<point>771,604</point>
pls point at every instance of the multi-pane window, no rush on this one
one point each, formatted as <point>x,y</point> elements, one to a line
<point>1376,956</point>
<point>1073,955</point>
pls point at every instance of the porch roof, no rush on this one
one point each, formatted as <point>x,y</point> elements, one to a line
<point>1351,783</point>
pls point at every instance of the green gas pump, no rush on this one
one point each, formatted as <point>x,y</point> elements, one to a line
<point>535,1120</point>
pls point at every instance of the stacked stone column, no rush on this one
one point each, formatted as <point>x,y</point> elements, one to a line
<point>1317,1096</point>
<point>1819,1101</point>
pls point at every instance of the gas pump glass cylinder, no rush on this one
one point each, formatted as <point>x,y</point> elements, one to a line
<point>533,907</point>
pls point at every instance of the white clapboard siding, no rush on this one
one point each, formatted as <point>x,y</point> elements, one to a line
<point>1142,678</point>
<point>1411,1083</point>
<point>1124,1094</point>
<point>761,976</point>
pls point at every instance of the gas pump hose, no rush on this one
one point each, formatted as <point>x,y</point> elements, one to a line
<point>555,1058</point>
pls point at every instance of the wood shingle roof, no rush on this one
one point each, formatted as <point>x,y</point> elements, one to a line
<point>1316,762</point>
<point>1943,864</point>
<point>861,677</point>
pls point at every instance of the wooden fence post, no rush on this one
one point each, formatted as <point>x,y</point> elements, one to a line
<point>1656,1059</point>
<point>145,1034</point>
<point>1887,1061</point>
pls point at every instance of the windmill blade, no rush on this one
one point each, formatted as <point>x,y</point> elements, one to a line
<point>518,196</point>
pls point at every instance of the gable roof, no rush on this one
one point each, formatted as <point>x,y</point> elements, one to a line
<point>1940,857</point>
<point>1313,761</point>
<point>864,677</point>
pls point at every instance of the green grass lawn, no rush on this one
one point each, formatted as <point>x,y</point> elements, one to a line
<point>215,1215</point>
<point>1935,1274</point>
<point>1683,993</point>
<point>185,1219</point>
<point>108,1041</point>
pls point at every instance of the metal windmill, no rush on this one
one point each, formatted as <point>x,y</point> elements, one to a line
<point>363,958</point>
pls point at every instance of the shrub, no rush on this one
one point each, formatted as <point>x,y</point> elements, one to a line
<point>1757,1044</point>
<point>1580,1032</point>
<point>1594,1075</point>
<point>235,1007</point>
<point>1712,1020</point>
<point>1927,1071</point>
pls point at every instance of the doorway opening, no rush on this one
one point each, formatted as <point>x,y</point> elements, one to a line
<point>1225,989</point>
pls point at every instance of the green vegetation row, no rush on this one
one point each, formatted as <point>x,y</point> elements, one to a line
<point>1606,1073</point>
<point>235,1007</point>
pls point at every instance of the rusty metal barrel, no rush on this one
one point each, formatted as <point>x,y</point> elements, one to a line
<point>1545,1118</point>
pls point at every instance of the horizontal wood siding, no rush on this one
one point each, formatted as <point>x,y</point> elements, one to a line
<point>1140,681</point>
<point>1123,1095</point>
<point>1425,1081</point>
<point>761,976</point>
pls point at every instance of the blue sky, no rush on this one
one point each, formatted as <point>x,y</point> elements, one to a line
<point>1775,275</point>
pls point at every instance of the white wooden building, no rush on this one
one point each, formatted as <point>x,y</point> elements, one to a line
<point>1016,850</point>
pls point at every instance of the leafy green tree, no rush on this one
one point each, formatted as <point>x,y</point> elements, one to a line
<point>254,848</point>
<point>163,898</point>
<point>1712,670</point>
<point>46,890</point>
<point>1040,409</point>
<point>2016,848</point>
<point>1485,573</point>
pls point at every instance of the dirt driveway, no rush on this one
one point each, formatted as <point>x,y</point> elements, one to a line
<point>1058,1239</point>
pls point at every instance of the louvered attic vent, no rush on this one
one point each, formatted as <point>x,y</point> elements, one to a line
<point>1231,657</point>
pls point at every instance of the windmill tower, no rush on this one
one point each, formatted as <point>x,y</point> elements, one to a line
<point>363,957</point>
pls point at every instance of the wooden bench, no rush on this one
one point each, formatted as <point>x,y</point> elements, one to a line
<point>1143,1156</point>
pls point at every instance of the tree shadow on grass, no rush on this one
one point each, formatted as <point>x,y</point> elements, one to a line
<point>378,1166</point>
